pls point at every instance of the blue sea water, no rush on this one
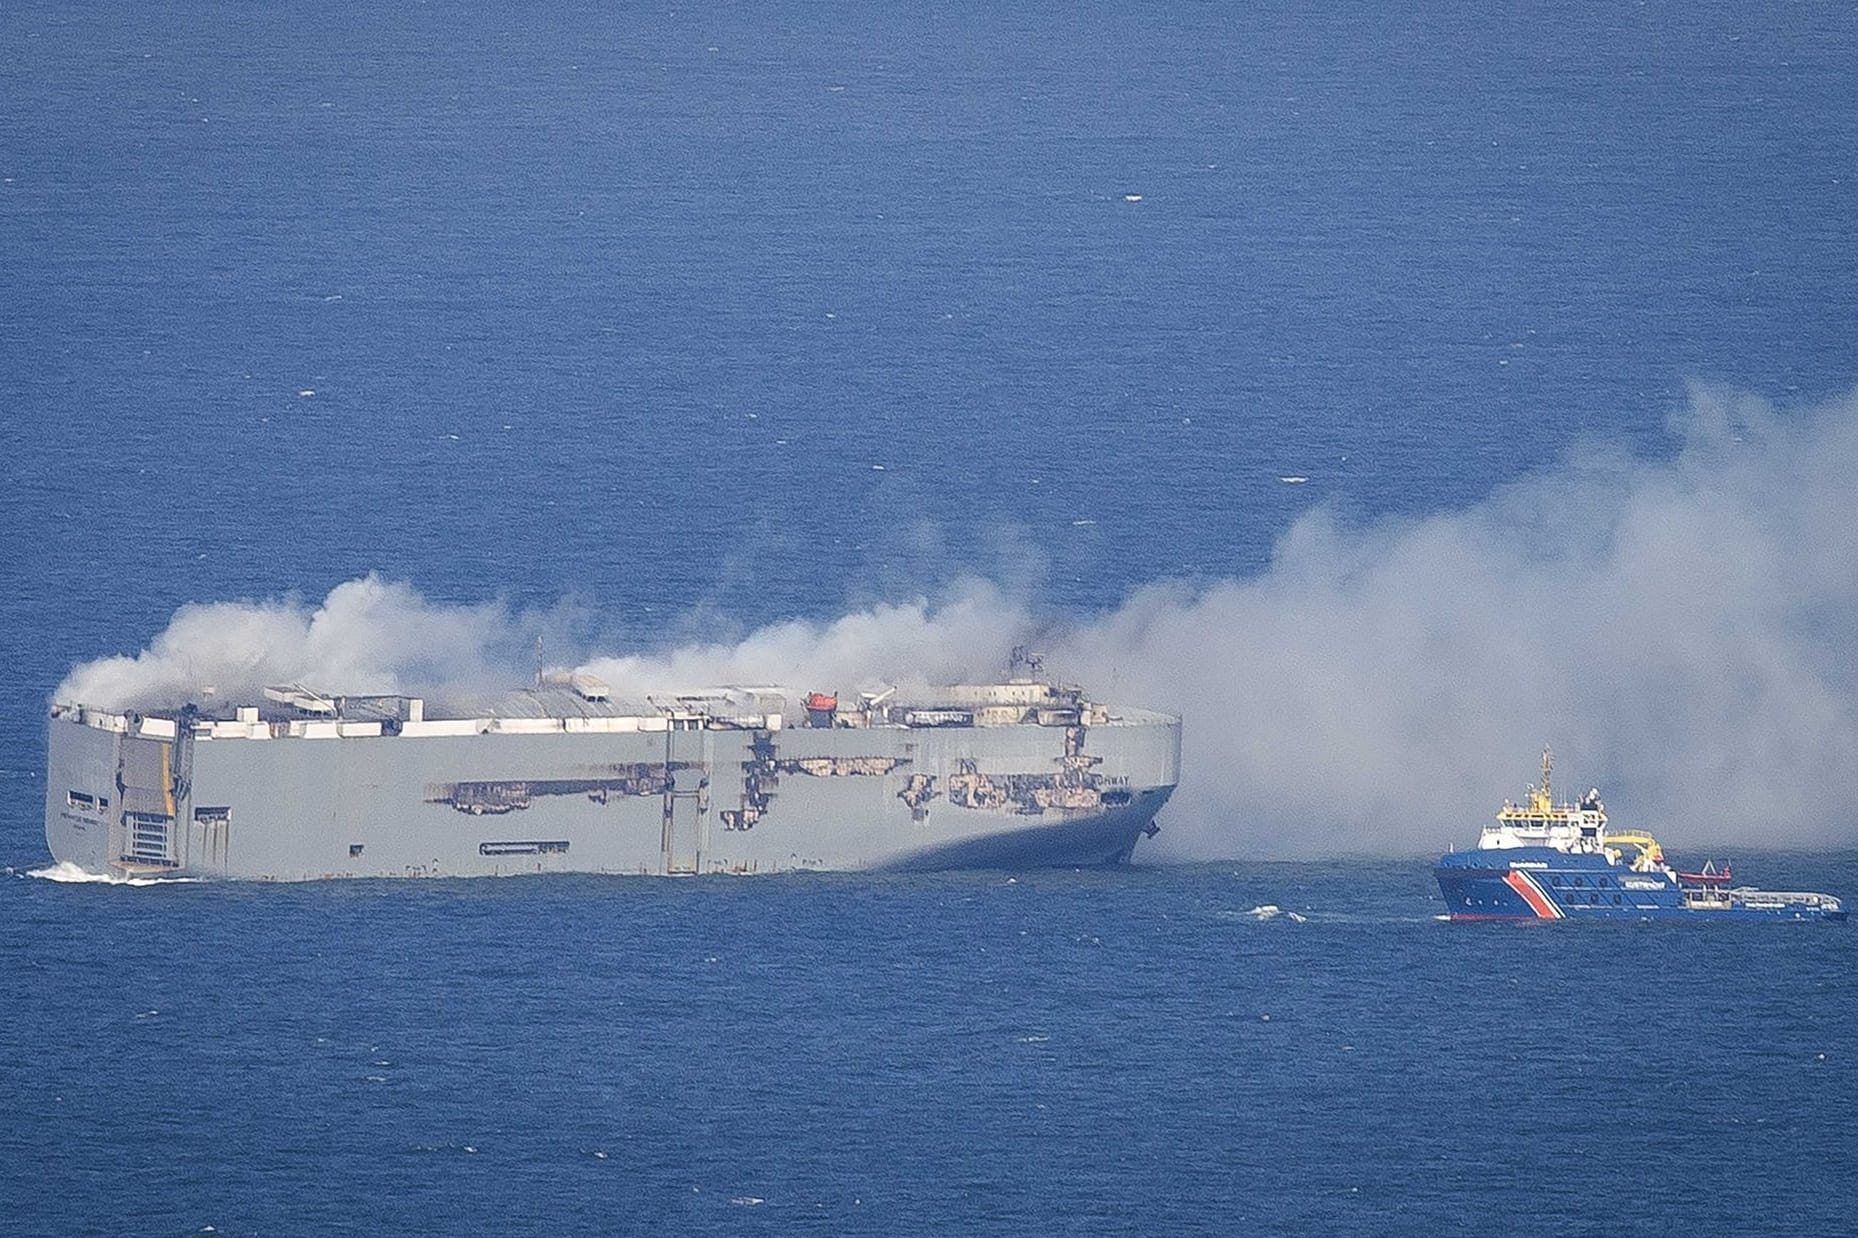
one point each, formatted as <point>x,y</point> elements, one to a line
<point>1132,1052</point>
<point>625,304</point>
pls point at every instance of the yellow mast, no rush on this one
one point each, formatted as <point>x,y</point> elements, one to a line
<point>1544,798</point>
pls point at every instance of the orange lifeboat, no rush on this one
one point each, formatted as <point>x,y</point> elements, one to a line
<point>821,709</point>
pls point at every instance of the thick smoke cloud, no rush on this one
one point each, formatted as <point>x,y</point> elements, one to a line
<point>1683,631</point>
<point>1685,634</point>
<point>968,633</point>
<point>368,635</point>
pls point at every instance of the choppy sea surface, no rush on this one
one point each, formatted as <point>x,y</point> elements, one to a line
<point>1268,1048</point>
<point>704,316</point>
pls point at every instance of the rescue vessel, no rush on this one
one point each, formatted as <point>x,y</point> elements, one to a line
<point>1546,861</point>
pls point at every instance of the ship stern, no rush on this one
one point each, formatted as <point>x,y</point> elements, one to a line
<point>81,799</point>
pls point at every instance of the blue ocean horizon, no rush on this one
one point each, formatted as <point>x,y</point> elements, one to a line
<point>678,322</point>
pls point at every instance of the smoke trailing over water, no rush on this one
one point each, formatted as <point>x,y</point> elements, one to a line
<point>1683,631</point>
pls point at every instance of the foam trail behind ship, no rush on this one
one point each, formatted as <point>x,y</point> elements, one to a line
<point>1684,631</point>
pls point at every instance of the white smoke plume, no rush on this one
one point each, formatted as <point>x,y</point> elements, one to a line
<point>966,634</point>
<point>368,635</point>
<point>1684,632</point>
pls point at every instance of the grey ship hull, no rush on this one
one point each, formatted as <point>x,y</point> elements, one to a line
<point>127,795</point>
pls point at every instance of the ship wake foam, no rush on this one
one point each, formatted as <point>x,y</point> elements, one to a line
<point>66,873</point>
<point>1683,630</point>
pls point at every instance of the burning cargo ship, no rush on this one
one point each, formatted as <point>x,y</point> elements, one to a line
<point>564,777</point>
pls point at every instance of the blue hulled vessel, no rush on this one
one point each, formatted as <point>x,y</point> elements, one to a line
<point>1547,861</point>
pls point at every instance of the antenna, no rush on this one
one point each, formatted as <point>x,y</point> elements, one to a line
<point>538,660</point>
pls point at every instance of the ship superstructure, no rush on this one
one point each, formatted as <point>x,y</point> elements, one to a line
<point>1546,861</point>
<point>564,777</point>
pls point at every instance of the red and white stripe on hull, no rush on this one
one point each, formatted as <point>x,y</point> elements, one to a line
<point>1533,894</point>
